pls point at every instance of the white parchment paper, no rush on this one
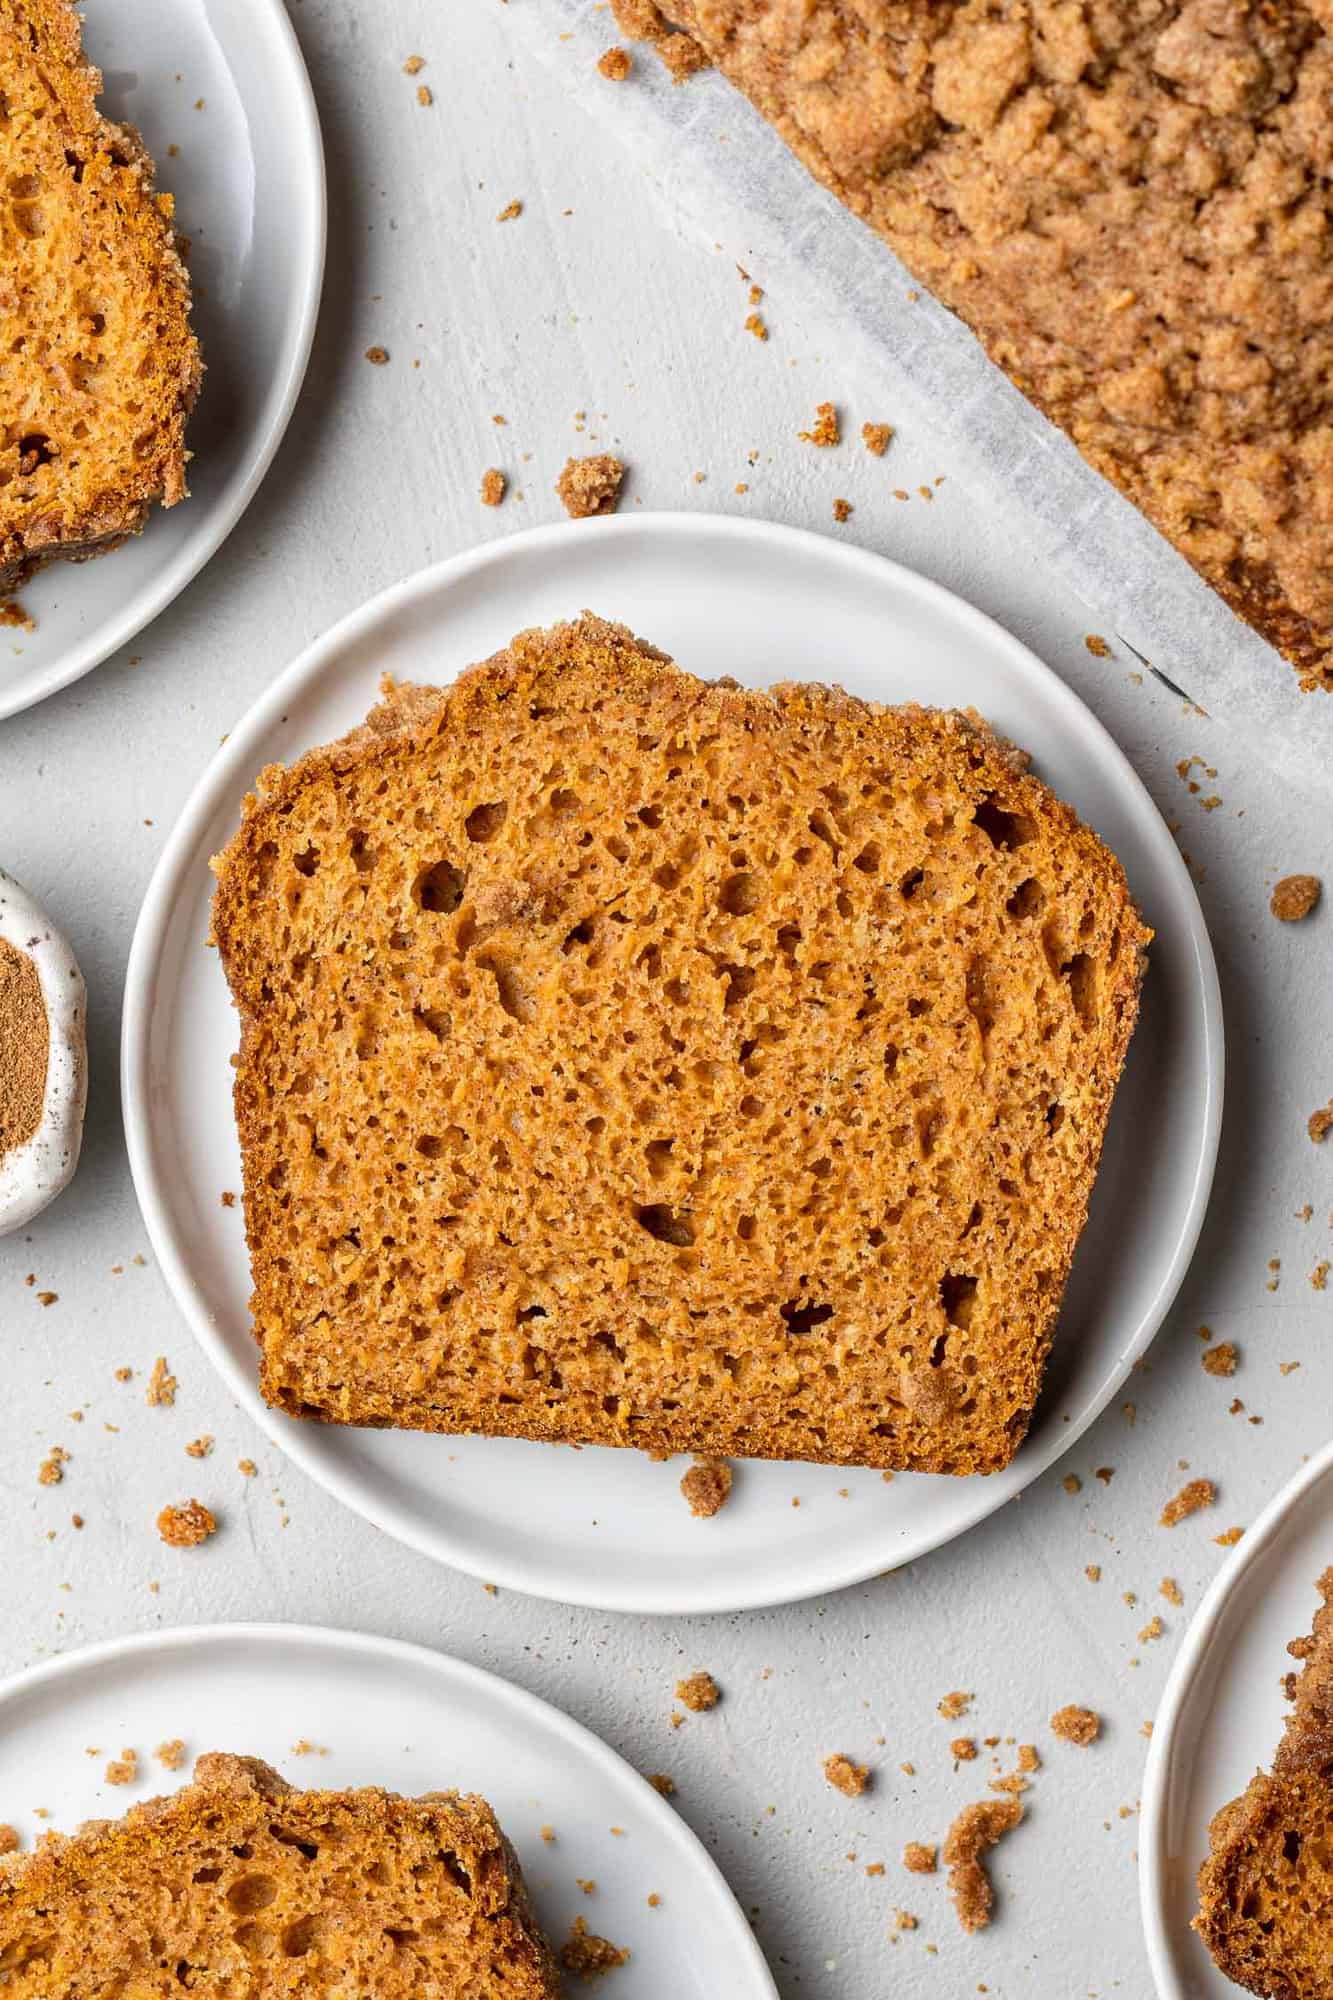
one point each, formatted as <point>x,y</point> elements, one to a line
<point>720,169</point>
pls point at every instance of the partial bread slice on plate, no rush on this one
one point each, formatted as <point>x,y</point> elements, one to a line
<point>632,1060</point>
<point>98,366</point>
<point>240,1884</point>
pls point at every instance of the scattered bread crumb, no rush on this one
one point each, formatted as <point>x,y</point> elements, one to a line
<point>660,1782</point>
<point>615,64</point>
<point>757,325</point>
<point>707,1486</point>
<point>842,510</point>
<point>52,1468</point>
<point>919,1859</point>
<point>970,1838</point>
<point>844,1776</point>
<point>186,1526</point>
<point>587,1955</point>
<point>903,1920</point>
<point>47,1298</point>
<point>1294,897</point>
<point>9,1838</point>
<point>425,95</point>
<point>247,1468</point>
<point>1229,1538</point>
<point>699,1693</point>
<point>1093,1572</point>
<point>123,1770</point>
<point>199,1447</point>
<point>825,430</point>
<point>590,485</point>
<point>1097,646</point>
<point>1318,1123</point>
<point>13,613</point>
<point>172,1754</point>
<point>1072,1483</point>
<point>1319,1275</point>
<point>510,212</point>
<point>492,486</point>
<point>1221,1360</point>
<point>414,65</point>
<point>228,1201</point>
<point>1153,1629</point>
<point>1076,1725</point>
<point>876,438</point>
<point>547,1833</point>
<point>951,1706</point>
<point>587,1884</point>
<point>377,355</point>
<point>964,1749</point>
<point>1171,1591</point>
<point>1195,1494</point>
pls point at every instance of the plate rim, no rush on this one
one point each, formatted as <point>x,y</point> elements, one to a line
<point>1157,1771</point>
<point>175,576</point>
<point>351,1640</point>
<point>233,763</point>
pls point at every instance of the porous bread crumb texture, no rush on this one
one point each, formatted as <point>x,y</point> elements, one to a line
<point>492,486</point>
<point>919,1858</point>
<point>707,1487</point>
<point>587,1955</point>
<point>262,1889</point>
<point>1076,1725</point>
<point>969,1840</point>
<point>1266,1887</point>
<point>1319,1122</point>
<point>954,1704</point>
<point>846,1777</point>
<point>1193,1495</point>
<point>615,64</point>
<point>1294,897</point>
<point>876,438</point>
<point>1222,1359</point>
<point>826,430</point>
<point>171,1755</point>
<point>10,1841</point>
<point>635,1060</point>
<point>99,369</point>
<point>186,1526</point>
<point>589,486</point>
<point>1130,207</point>
<point>699,1693</point>
<point>643,21</point>
<point>25,1042</point>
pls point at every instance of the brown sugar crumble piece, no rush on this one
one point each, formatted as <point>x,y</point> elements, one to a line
<point>1152,1630</point>
<point>510,212</point>
<point>1319,1275</point>
<point>963,1748</point>
<point>425,95</point>
<point>123,1770</point>
<point>707,1486</point>
<point>171,1755</point>
<point>1093,1572</point>
<point>877,438</point>
<point>492,486</point>
<point>920,1859</point>
<point>590,486</point>
<point>842,510</point>
<point>757,325</point>
<point>1195,1494</point>
<point>970,1838</point>
<point>52,1468</point>
<point>377,355</point>
<point>161,1390</point>
<point>1229,1538</point>
<point>588,1956</point>
<point>1319,1122</point>
<point>846,1777</point>
<point>953,1705</point>
<point>1097,646</point>
<point>414,65</point>
<point>228,1198</point>
<point>9,1838</point>
<point>1222,1359</point>
<point>1076,1725</point>
<point>186,1526</point>
<point>825,430</point>
<point>699,1693</point>
<point>1294,897</point>
<point>615,64</point>
<point>199,1447</point>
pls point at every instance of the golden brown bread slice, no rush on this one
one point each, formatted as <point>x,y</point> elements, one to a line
<point>1266,1888</point>
<point>240,1884</point>
<point>633,1060</point>
<point>98,366</point>
<point>1130,206</point>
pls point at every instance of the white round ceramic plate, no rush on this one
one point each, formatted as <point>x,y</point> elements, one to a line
<point>1223,1713</point>
<point>377,1712</point>
<point>223,81</point>
<point>606,1527</point>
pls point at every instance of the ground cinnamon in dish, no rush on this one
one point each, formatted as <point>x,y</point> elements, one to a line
<point>24,1045</point>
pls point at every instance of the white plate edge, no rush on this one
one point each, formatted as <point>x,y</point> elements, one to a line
<point>178,574</point>
<point>233,763</point>
<point>1156,1773</point>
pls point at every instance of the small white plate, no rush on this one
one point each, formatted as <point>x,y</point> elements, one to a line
<point>222,80</point>
<point>411,1720</point>
<point>606,1527</point>
<point>1223,1714</point>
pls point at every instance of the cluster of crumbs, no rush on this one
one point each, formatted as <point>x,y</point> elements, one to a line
<point>587,1955</point>
<point>9,1838</point>
<point>919,1858</point>
<point>171,1755</point>
<point>699,1693</point>
<point>846,1777</point>
<point>975,1831</point>
<point>123,1770</point>
<point>826,430</point>
<point>186,1526</point>
<point>1076,1725</point>
<point>1197,1493</point>
<point>643,21</point>
<point>591,485</point>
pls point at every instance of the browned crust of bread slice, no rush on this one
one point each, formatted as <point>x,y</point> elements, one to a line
<point>632,1060</point>
<point>244,1880</point>
<point>1266,1886</point>
<point>99,369</point>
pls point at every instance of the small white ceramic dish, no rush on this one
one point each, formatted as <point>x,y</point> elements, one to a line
<point>414,1721</point>
<point>765,603</point>
<point>224,82</point>
<point>1223,1713</point>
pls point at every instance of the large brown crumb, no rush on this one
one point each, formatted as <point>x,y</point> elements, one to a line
<point>587,1955</point>
<point>698,1693</point>
<point>161,1390</point>
<point>1221,1360</point>
<point>825,430</point>
<point>185,1527</point>
<point>52,1468</point>
<point>1319,1123</point>
<point>660,1782</point>
<point>171,1755</point>
<point>876,438</point>
<point>920,1859</point>
<point>123,1770</point>
<point>377,355</point>
<point>492,486</point>
<point>1077,1725</point>
<point>1191,1497</point>
<point>199,1447</point>
<point>9,1838</point>
<point>707,1486</point>
<point>964,1748</point>
<point>844,1776</point>
<point>1097,646</point>
<point>972,1835</point>
<point>615,64</point>
<point>590,485</point>
<point>1294,897</point>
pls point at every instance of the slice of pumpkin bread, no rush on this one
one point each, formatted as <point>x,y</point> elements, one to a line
<point>98,366</point>
<point>240,1884</point>
<point>1266,1888</point>
<point>633,1060</point>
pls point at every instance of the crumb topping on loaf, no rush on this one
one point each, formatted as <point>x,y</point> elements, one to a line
<point>1130,205</point>
<point>242,1884</point>
<point>98,367</point>
<point>636,1060</point>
